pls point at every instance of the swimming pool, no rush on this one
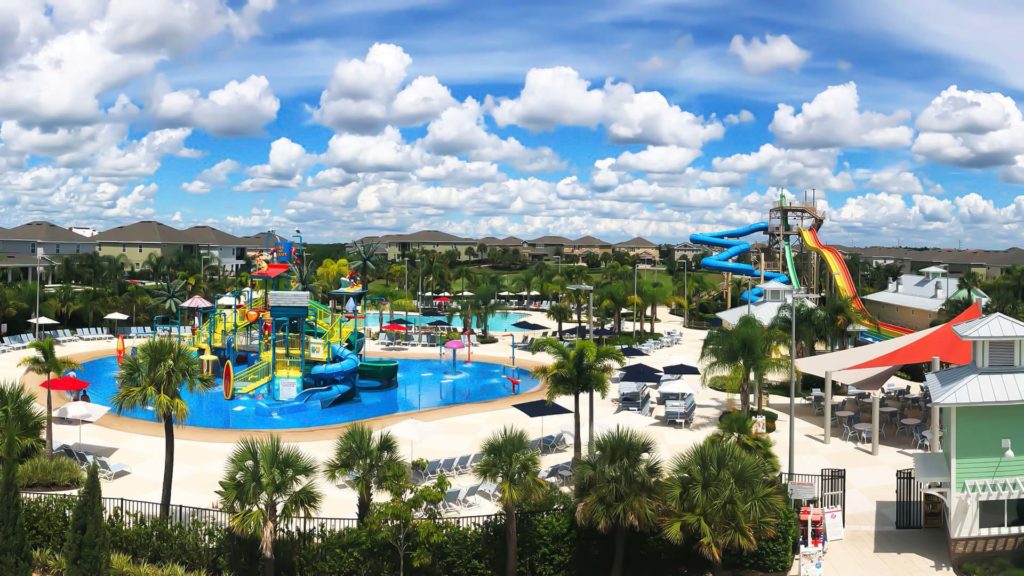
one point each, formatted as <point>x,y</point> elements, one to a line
<point>421,384</point>
<point>499,322</point>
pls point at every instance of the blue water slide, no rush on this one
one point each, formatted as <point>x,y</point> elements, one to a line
<point>342,366</point>
<point>734,248</point>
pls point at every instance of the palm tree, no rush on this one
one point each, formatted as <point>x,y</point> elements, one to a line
<point>169,294</point>
<point>363,260</point>
<point>560,313</point>
<point>620,485</point>
<point>839,314</point>
<point>969,282</point>
<point>154,378</point>
<point>738,428</point>
<point>47,363</point>
<point>266,484</point>
<point>509,462</point>
<point>744,351</point>
<point>583,368</point>
<point>18,403</point>
<point>809,326</point>
<point>720,498</point>
<point>366,461</point>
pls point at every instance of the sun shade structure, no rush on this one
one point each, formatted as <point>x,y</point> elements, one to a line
<point>541,408</point>
<point>43,321</point>
<point>682,370</point>
<point>633,352</point>
<point>454,345</point>
<point>578,331</point>
<point>116,316</point>
<point>401,321</point>
<point>527,325</point>
<point>82,412</point>
<point>272,271</point>
<point>847,366</point>
<point>196,301</point>
<point>394,327</point>
<point>442,299</point>
<point>438,323</point>
<point>65,384</point>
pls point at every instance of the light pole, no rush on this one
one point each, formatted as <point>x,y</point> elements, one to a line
<point>686,294</point>
<point>559,257</point>
<point>39,266</point>
<point>792,382</point>
<point>635,268</point>
<point>590,326</point>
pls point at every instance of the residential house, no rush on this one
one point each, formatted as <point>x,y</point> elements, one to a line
<point>55,241</point>
<point>914,300</point>
<point>688,250</point>
<point>546,247</point>
<point>137,241</point>
<point>643,249</point>
<point>987,263</point>
<point>215,245</point>
<point>588,245</point>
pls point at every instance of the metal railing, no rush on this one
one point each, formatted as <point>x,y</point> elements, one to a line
<point>258,373</point>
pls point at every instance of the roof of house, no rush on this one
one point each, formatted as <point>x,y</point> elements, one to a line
<point>934,269</point>
<point>916,291</point>
<point>41,232</point>
<point>144,232</point>
<point>506,241</point>
<point>689,246</point>
<point>261,239</point>
<point>429,236</point>
<point>637,242</point>
<point>551,240</point>
<point>968,384</point>
<point>941,255</point>
<point>996,326</point>
<point>208,235</point>
<point>590,241</point>
<point>764,310</point>
<point>22,261</point>
<point>775,285</point>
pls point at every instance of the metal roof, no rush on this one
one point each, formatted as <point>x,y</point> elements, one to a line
<point>996,326</point>
<point>969,385</point>
<point>764,310</point>
<point>908,300</point>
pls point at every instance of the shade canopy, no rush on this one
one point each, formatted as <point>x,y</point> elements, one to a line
<point>42,321</point>
<point>442,299</point>
<point>65,384</point>
<point>527,325</point>
<point>196,301</point>
<point>504,293</point>
<point>431,314</point>
<point>632,352</point>
<point>402,321</point>
<point>579,331</point>
<point>682,370</point>
<point>678,387</point>
<point>541,408</point>
<point>645,377</point>
<point>604,332</point>
<point>943,342</point>
<point>640,367</point>
<point>394,328</point>
<point>438,323</point>
<point>116,316</point>
<point>466,293</point>
<point>81,411</point>
<point>446,293</point>
<point>454,345</point>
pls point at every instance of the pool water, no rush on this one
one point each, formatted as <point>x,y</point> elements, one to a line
<point>422,384</point>
<point>500,322</point>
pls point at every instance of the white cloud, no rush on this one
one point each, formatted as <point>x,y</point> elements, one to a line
<point>237,109</point>
<point>364,95</point>
<point>773,53</point>
<point>140,158</point>
<point>136,204</point>
<point>552,97</point>
<point>893,180</point>
<point>648,118</point>
<point>453,171</point>
<point>286,164</point>
<point>741,117</point>
<point>657,159</point>
<point>834,119</point>
<point>384,152</point>
<point>794,168</point>
<point>214,175</point>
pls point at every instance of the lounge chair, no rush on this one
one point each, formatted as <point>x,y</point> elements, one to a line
<point>451,498</point>
<point>433,467</point>
<point>489,490</point>
<point>448,466</point>
<point>462,464</point>
<point>466,500</point>
<point>110,471</point>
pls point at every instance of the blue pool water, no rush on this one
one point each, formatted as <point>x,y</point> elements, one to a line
<point>421,384</point>
<point>500,322</point>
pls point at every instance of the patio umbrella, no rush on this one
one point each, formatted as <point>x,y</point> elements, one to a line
<point>454,345</point>
<point>442,299</point>
<point>504,293</point>
<point>466,293</point>
<point>438,323</point>
<point>196,301</point>
<point>402,321</point>
<point>81,411</point>
<point>534,293</point>
<point>645,377</point>
<point>115,316</point>
<point>42,321</point>
<point>523,293</point>
<point>411,429</point>
<point>632,352</point>
<point>578,331</point>
<point>394,327</point>
<point>641,367</point>
<point>427,293</point>
<point>527,325</point>
<point>445,293</point>
<point>682,369</point>
<point>540,409</point>
<point>431,314</point>
<point>678,387</point>
<point>65,384</point>
<point>604,332</point>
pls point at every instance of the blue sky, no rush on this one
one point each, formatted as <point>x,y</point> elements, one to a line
<point>654,117</point>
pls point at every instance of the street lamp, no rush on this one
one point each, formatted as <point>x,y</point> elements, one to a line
<point>39,269</point>
<point>635,268</point>
<point>686,294</point>
<point>590,325</point>
<point>792,381</point>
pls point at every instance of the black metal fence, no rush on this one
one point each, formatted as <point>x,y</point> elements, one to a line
<point>829,486</point>
<point>908,500</point>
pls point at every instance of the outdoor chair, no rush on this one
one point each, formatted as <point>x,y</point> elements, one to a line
<point>109,471</point>
<point>466,498</point>
<point>448,466</point>
<point>462,464</point>
<point>865,436</point>
<point>432,469</point>
<point>475,459</point>
<point>489,490</point>
<point>431,340</point>
<point>848,430</point>
<point>819,405</point>
<point>450,499</point>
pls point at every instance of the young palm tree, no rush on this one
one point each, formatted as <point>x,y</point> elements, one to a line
<point>744,351</point>
<point>169,294</point>
<point>18,404</point>
<point>266,484</point>
<point>155,377</point>
<point>368,462</point>
<point>584,368</point>
<point>838,314</point>
<point>47,363</point>
<point>738,428</point>
<point>810,328</point>
<point>560,313</point>
<point>363,254</point>
<point>509,462</point>
<point>620,487</point>
<point>720,498</point>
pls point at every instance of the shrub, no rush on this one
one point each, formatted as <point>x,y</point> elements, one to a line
<point>87,546</point>
<point>993,567</point>
<point>46,521</point>
<point>56,473</point>
<point>487,339</point>
<point>773,554</point>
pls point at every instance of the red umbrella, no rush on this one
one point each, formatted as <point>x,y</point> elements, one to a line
<point>393,328</point>
<point>443,299</point>
<point>65,384</point>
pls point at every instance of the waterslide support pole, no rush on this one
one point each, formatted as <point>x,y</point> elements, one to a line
<point>875,401</point>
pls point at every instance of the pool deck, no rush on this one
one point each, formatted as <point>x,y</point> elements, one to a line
<point>872,545</point>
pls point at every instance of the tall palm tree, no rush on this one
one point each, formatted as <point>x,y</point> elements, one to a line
<point>721,499</point>
<point>744,351</point>
<point>584,368</point>
<point>363,260</point>
<point>266,484</point>
<point>18,404</point>
<point>367,461</point>
<point>969,282</point>
<point>738,428</point>
<point>154,378</point>
<point>46,363</point>
<point>509,462</point>
<point>169,294</point>
<point>810,328</point>
<point>560,313</point>
<point>839,314</point>
<point>620,487</point>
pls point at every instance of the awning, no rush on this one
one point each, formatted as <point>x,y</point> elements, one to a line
<point>942,342</point>
<point>272,271</point>
<point>931,467</point>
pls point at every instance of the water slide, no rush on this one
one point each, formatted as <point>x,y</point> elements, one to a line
<point>341,367</point>
<point>734,248</point>
<point>847,288</point>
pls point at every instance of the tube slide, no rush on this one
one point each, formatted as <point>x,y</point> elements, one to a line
<point>733,248</point>
<point>790,267</point>
<point>847,288</point>
<point>342,367</point>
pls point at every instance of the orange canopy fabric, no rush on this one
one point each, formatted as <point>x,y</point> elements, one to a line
<point>943,343</point>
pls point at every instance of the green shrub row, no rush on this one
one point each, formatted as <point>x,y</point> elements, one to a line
<point>48,563</point>
<point>43,473</point>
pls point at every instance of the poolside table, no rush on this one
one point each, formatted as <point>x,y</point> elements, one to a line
<point>566,474</point>
<point>862,427</point>
<point>844,414</point>
<point>909,423</point>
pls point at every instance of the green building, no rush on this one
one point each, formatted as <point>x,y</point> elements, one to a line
<point>977,474</point>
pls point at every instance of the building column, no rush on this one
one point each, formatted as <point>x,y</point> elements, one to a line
<point>936,442</point>
<point>828,408</point>
<point>875,401</point>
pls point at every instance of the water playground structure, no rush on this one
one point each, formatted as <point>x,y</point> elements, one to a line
<point>792,228</point>
<point>273,342</point>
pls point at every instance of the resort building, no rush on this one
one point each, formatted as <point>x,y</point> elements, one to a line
<point>987,263</point>
<point>217,246</point>
<point>688,250</point>
<point>54,240</point>
<point>137,241</point>
<point>775,295</point>
<point>642,248</point>
<point>397,246</point>
<point>588,245</point>
<point>546,247</point>
<point>977,474</point>
<point>914,300</point>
